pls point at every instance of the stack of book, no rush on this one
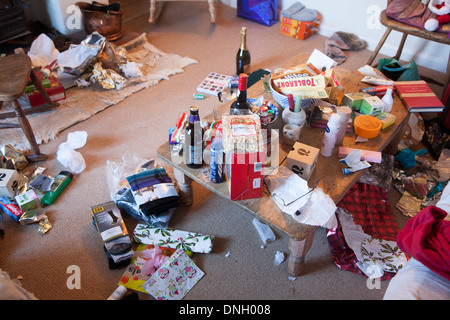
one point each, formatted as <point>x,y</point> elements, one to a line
<point>299,29</point>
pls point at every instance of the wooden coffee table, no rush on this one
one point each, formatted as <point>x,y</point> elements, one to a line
<point>328,170</point>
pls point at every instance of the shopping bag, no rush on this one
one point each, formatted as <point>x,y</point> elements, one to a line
<point>261,11</point>
<point>395,71</point>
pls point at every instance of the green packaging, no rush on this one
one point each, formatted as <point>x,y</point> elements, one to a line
<point>58,185</point>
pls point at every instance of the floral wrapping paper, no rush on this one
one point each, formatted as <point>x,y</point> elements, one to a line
<point>174,279</point>
<point>170,238</point>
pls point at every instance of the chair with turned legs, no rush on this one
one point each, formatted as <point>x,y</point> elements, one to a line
<point>15,70</point>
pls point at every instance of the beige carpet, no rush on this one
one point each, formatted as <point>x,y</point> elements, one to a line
<point>139,124</point>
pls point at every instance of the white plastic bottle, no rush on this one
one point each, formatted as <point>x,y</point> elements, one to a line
<point>330,136</point>
<point>388,100</point>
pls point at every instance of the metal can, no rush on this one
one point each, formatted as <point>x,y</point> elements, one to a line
<point>216,166</point>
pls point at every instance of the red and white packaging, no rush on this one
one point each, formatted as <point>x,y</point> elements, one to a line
<point>244,156</point>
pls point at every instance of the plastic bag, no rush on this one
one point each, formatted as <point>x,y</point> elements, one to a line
<point>122,195</point>
<point>67,155</point>
<point>395,71</point>
<point>264,12</point>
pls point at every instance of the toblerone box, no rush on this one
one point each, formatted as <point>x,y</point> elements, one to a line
<point>302,160</point>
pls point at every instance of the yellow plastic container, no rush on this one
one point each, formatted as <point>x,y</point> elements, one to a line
<point>367,126</point>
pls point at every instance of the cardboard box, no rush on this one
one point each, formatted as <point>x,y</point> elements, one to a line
<point>10,209</point>
<point>372,106</point>
<point>9,182</point>
<point>244,174</point>
<point>288,30</point>
<point>109,221</point>
<point>354,100</point>
<point>299,29</point>
<point>302,160</point>
<point>301,26</point>
<point>244,156</point>
<point>366,155</point>
<point>53,88</point>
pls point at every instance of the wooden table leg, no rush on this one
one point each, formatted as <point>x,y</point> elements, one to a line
<point>155,10</point>
<point>298,249</point>
<point>212,10</point>
<point>28,132</point>
<point>185,186</point>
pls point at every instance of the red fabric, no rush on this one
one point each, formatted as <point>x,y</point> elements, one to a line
<point>426,237</point>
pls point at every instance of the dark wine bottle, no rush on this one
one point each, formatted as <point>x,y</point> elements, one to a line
<point>241,105</point>
<point>243,55</point>
<point>193,140</point>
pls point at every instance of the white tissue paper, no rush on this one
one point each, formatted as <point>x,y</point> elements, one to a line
<point>290,193</point>
<point>264,231</point>
<point>66,154</point>
<point>42,51</point>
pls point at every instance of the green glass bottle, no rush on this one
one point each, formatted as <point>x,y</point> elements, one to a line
<point>59,184</point>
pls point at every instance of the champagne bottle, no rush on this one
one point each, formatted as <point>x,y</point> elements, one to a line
<point>193,140</point>
<point>241,105</point>
<point>243,55</point>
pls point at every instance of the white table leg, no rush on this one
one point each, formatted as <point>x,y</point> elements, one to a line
<point>298,250</point>
<point>185,186</point>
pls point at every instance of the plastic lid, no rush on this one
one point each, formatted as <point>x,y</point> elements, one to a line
<point>367,126</point>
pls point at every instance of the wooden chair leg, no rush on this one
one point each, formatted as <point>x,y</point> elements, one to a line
<point>447,75</point>
<point>380,44</point>
<point>400,47</point>
<point>28,132</point>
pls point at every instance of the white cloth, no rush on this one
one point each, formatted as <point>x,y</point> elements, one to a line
<point>12,289</point>
<point>416,282</point>
<point>290,193</point>
<point>42,51</point>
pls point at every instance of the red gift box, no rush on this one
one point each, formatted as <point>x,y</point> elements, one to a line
<point>245,174</point>
<point>54,90</point>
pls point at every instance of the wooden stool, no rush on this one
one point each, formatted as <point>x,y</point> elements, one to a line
<point>15,70</point>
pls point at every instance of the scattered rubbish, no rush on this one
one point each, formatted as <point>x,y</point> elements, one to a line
<point>67,155</point>
<point>407,157</point>
<point>279,258</point>
<point>12,158</point>
<point>60,182</point>
<point>227,254</point>
<point>292,278</point>
<point>266,234</point>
